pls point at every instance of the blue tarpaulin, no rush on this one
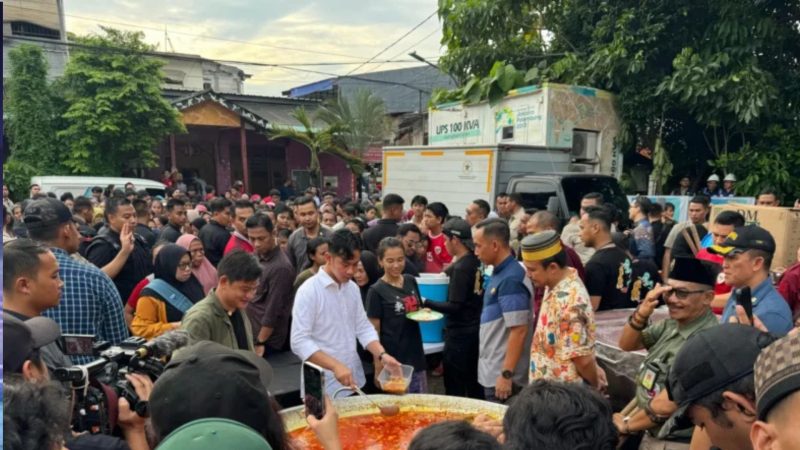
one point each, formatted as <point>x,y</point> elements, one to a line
<point>306,89</point>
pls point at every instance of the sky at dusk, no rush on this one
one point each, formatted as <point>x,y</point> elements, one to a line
<point>275,32</point>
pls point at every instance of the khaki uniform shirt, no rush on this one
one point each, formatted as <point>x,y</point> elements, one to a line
<point>663,340</point>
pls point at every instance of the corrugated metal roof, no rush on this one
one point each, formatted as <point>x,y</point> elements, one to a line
<point>402,90</point>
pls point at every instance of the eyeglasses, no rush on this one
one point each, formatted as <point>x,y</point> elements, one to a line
<point>199,251</point>
<point>185,266</point>
<point>417,244</point>
<point>682,294</point>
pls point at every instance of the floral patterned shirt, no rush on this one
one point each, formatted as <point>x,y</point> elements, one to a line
<point>565,330</point>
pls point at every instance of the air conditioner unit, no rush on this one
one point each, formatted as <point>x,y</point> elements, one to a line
<point>583,168</point>
<point>584,145</point>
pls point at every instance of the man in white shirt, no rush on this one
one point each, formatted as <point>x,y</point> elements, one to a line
<point>328,316</point>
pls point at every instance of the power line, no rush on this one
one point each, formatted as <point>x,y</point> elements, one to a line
<point>199,59</point>
<point>301,64</point>
<point>213,38</point>
<point>404,52</point>
<point>396,41</point>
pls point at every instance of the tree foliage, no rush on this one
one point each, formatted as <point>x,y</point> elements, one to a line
<point>116,115</point>
<point>362,119</point>
<point>477,33</point>
<point>31,119</point>
<point>709,78</point>
<point>317,141</point>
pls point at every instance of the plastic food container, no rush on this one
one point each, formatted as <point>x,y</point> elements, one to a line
<point>395,381</point>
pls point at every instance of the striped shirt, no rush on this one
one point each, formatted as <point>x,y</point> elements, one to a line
<point>506,304</point>
<point>90,303</point>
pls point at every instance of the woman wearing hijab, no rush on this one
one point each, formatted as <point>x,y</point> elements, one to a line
<point>164,301</point>
<point>367,273</point>
<point>202,269</point>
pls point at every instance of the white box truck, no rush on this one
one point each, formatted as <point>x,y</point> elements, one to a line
<point>551,143</point>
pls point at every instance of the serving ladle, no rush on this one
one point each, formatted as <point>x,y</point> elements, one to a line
<point>386,410</point>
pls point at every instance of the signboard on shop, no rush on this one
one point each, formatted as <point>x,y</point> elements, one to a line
<point>517,119</point>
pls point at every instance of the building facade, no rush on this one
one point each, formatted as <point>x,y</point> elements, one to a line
<point>228,139</point>
<point>39,23</point>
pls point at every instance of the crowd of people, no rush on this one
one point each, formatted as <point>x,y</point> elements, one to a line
<point>333,280</point>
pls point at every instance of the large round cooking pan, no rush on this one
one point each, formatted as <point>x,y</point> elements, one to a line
<point>295,418</point>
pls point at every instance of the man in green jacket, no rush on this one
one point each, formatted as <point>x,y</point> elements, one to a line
<point>221,316</point>
<point>688,294</point>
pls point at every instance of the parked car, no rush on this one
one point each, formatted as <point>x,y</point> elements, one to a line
<point>81,185</point>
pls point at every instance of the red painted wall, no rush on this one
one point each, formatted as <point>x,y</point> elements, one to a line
<point>297,158</point>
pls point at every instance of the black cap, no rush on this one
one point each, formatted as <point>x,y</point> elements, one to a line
<point>459,228</point>
<point>710,360</point>
<point>26,337</point>
<point>208,379</point>
<point>45,213</point>
<point>693,270</point>
<point>750,237</point>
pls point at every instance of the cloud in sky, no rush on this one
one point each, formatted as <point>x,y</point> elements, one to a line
<point>329,31</point>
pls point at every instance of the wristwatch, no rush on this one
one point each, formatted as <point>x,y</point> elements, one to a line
<point>507,374</point>
<point>260,343</point>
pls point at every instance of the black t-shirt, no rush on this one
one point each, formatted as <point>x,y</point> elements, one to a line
<point>464,294</point>
<point>215,237</point>
<point>399,335</point>
<point>661,240</point>
<point>374,234</point>
<point>170,233</point>
<point>410,268</point>
<point>147,234</point>
<point>238,329</point>
<point>643,279</point>
<point>104,249</point>
<point>608,275</point>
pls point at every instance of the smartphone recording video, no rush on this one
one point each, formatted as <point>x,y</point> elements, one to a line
<point>314,386</point>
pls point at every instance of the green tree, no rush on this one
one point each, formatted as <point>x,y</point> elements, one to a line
<point>362,119</point>
<point>478,33</point>
<point>116,114</point>
<point>704,78</point>
<point>317,141</point>
<point>30,124</point>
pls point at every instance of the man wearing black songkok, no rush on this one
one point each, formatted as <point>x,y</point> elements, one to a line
<point>688,294</point>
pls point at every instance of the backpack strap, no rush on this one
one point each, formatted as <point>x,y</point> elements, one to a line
<point>171,295</point>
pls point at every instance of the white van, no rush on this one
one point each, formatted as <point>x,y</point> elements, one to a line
<point>81,185</point>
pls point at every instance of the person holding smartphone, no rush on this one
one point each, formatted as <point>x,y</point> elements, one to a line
<point>328,318</point>
<point>748,253</point>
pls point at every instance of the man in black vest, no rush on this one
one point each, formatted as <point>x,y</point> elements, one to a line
<point>117,250</point>
<point>215,235</point>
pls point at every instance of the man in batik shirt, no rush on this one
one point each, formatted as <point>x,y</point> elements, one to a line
<point>563,343</point>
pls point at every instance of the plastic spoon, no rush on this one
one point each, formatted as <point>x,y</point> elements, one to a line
<point>388,410</point>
